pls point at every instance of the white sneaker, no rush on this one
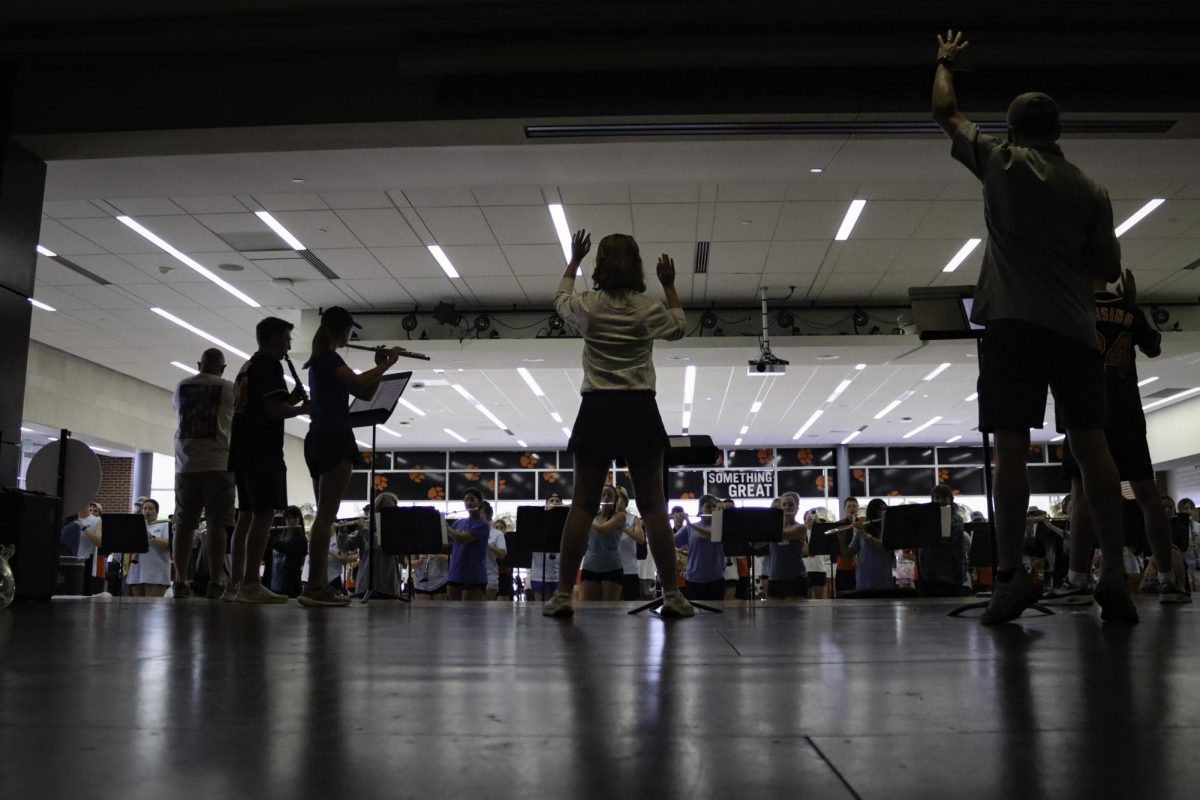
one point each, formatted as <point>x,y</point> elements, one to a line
<point>676,605</point>
<point>558,606</point>
<point>231,592</point>
<point>257,594</point>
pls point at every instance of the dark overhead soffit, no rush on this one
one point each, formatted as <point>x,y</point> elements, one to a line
<point>1103,127</point>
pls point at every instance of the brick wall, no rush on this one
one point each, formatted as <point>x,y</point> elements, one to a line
<point>116,484</point>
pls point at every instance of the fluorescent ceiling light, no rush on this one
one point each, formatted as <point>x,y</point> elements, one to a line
<point>937,371</point>
<point>1059,438</point>
<point>1165,400</point>
<point>411,407</point>
<point>853,435</point>
<point>953,439</point>
<point>559,218</point>
<point>202,334</point>
<point>1139,215</point>
<point>971,398</point>
<point>860,366</point>
<point>530,382</point>
<point>567,431</point>
<point>922,427</point>
<point>687,420</point>
<point>841,387</point>
<point>689,385</point>
<point>443,261</point>
<point>185,367</point>
<point>745,429</point>
<point>455,435</point>
<point>804,428</point>
<point>494,419</point>
<point>856,208</point>
<point>280,231</point>
<point>458,387</point>
<point>362,444</point>
<point>521,443</point>
<point>961,255</point>
<point>890,407</point>
<point>737,442</point>
<point>187,260</point>
<point>390,432</point>
<point>554,415</point>
<point>27,430</point>
<point>47,252</point>
<point>756,407</point>
<point>41,305</point>
<point>1147,381</point>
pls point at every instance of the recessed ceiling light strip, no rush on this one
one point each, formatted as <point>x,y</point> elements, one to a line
<point>922,427</point>
<point>961,255</point>
<point>202,334</point>
<point>1138,216</point>
<point>186,260</point>
<point>849,221</point>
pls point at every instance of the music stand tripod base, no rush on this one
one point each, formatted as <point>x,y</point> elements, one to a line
<point>958,611</point>
<point>654,605</point>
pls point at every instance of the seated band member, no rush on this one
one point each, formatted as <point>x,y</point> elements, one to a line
<point>942,567</point>
<point>1122,325</point>
<point>618,416</point>
<point>603,574</point>
<point>1050,234</point>
<point>706,558</point>
<point>261,404</point>
<point>789,576</point>
<point>330,450</point>
<point>875,565</point>
<point>468,556</point>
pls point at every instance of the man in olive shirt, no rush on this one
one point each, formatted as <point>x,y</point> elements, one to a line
<point>1050,235</point>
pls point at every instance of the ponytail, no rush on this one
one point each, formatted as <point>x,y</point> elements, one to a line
<point>323,342</point>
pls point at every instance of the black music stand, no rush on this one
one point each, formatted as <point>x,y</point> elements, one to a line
<point>980,555</point>
<point>539,530</point>
<point>123,533</point>
<point>419,530</point>
<point>373,413</point>
<point>943,313</point>
<point>744,530</point>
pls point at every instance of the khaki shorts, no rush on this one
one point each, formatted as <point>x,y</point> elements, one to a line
<point>210,492</point>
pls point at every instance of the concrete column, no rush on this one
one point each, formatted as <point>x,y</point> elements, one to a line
<point>143,468</point>
<point>843,474</point>
<point>22,180</point>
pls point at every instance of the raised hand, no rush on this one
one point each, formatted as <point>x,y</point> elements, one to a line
<point>581,244</point>
<point>952,46</point>
<point>666,271</point>
<point>1128,287</point>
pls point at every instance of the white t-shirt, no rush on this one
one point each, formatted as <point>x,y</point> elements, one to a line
<point>86,548</point>
<point>333,567</point>
<point>496,540</point>
<point>154,566</point>
<point>204,410</point>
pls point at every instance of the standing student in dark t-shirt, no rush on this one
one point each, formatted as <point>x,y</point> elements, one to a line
<point>1050,235</point>
<point>329,447</point>
<point>1121,326</point>
<point>261,404</point>
<point>468,556</point>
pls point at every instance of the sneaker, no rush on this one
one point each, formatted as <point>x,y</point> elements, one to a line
<point>1171,595</point>
<point>257,594</point>
<point>558,606</point>
<point>181,591</point>
<point>1067,593</point>
<point>229,595</point>
<point>676,605</point>
<point>1116,605</point>
<point>1009,600</point>
<point>216,591</point>
<point>322,597</point>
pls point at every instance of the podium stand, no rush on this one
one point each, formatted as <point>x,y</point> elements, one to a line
<point>943,313</point>
<point>373,413</point>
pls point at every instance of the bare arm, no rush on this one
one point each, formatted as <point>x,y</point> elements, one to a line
<point>637,532</point>
<point>363,384</point>
<point>282,406</point>
<point>945,103</point>
<point>613,524</point>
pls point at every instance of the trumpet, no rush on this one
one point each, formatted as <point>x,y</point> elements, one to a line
<point>399,351</point>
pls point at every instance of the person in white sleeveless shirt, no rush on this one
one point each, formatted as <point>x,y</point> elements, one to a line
<point>150,572</point>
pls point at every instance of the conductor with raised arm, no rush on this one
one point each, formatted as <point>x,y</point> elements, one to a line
<point>1050,235</point>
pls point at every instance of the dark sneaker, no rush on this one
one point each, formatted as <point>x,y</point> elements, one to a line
<point>322,597</point>
<point>257,594</point>
<point>1171,595</point>
<point>1067,593</point>
<point>676,605</point>
<point>216,591</point>
<point>1116,604</point>
<point>181,591</point>
<point>1010,599</point>
<point>558,606</point>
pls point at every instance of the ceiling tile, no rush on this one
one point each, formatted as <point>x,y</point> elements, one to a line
<point>889,219</point>
<point>1173,255</point>
<point>428,291</point>
<point>60,239</point>
<point>521,224</point>
<point>508,196</point>
<point>810,220</point>
<point>145,206</point>
<point>51,273</point>
<point>318,229</point>
<point>71,209</point>
<point>381,292</point>
<point>780,282</point>
<point>479,260</point>
<point>683,254</point>
<point>664,193</point>
<point>535,259</point>
<point>736,222</point>
<point>952,219</point>
<point>492,292</point>
<point>294,268</point>
<point>380,227</point>
<point>599,220</point>
<point>750,192</point>
<point>112,236</point>
<point>347,200</point>
<point>841,287</point>
<point>665,222</point>
<point>611,193</point>
<point>823,187</point>
<point>928,255</point>
<point>184,233</point>
<point>357,263</point>
<point>112,268</point>
<point>102,297</point>
<point>219,204</point>
<point>209,295</point>
<point>1173,218</point>
<point>863,256</point>
<point>904,190</point>
<point>289,201</point>
<point>320,293</point>
<point>799,257</point>
<point>435,197</point>
<point>731,289</point>
<point>738,257</point>
<point>407,262</point>
<point>457,225</point>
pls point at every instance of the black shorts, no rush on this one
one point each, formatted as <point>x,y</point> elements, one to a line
<point>1020,360</point>
<point>612,576</point>
<point>618,424</point>
<point>1129,449</point>
<point>467,586</point>
<point>325,449</point>
<point>781,588</point>
<point>817,579</point>
<point>261,486</point>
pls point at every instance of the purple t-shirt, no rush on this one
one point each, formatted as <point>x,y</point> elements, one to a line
<point>706,559</point>
<point>468,561</point>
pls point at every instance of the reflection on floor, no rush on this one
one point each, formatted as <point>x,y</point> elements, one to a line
<point>158,699</point>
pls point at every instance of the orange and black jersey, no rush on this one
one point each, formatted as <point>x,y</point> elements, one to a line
<point>1121,326</point>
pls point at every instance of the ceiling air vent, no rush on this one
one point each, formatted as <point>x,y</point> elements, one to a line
<point>71,265</point>
<point>701,265</point>
<point>319,265</point>
<point>816,128</point>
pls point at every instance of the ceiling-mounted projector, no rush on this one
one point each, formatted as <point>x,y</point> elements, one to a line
<point>767,362</point>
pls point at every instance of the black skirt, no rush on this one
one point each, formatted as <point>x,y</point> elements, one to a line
<point>325,448</point>
<point>618,424</point>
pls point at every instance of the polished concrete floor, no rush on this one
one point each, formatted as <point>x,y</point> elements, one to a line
<point>162,699</point>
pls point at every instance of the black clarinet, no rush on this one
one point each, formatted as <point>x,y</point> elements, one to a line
<point>296,377</point>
